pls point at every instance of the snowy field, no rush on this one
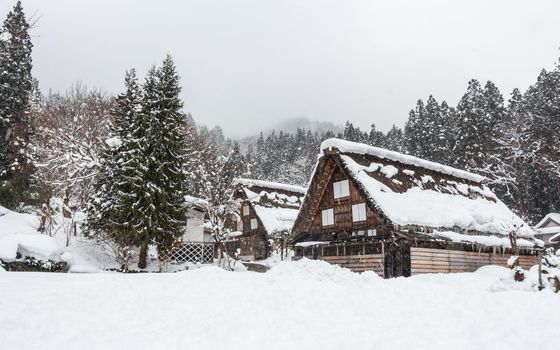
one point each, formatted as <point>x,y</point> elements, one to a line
<point>296,305</point>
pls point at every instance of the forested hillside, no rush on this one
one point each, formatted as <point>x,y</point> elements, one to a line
<point>514,142</point>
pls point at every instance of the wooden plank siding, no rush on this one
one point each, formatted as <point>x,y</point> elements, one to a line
<point>342,208</point>
<point>359,263</point>
<point>425,260</point>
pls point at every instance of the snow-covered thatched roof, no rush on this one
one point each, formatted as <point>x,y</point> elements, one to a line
<point>275,204</point>
<point>359,148</point>
<point>549,218</point>
<point>415,194</point>
<point>269,185</point>
<point>549,225</point>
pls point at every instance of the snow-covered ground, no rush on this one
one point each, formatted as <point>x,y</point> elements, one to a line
<point>306,304</point>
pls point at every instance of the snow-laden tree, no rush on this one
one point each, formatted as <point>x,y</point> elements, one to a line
<point>162,205</point>
<point>415,131</point>
<point>111,211</point>
<point>16,86</point>
<point>394,140</point>
<point>70,133</point>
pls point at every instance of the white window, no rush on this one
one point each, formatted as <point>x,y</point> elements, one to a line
<point>341,189</point>
<point>245,210</point>
<point>359,212</point>
<point>328,217</point>
<point>254,224</point>
<point>372,232</point>
<point>240,225</point>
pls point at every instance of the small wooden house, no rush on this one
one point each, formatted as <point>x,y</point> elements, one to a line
<point>548,230</point>
<point>368,208</point>
<point>267,213</point>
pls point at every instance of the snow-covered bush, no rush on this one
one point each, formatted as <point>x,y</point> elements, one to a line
<point>551,270</point>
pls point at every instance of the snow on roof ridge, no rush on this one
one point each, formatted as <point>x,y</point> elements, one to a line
<point>360,148</point>
<point>552,216</point>
<point>270,184</point>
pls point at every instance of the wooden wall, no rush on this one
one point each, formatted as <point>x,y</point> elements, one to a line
<point>426,260</point>
<point>359,263</point>
<point>342,208</point>
<point>252,242</point>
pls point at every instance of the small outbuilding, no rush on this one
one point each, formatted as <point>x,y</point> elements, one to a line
<point>267,211</point>
<point>369,208</point>
<point>548,230</point>
<point>196,244</point>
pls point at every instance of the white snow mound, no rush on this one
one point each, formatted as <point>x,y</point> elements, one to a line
<point>37,246</point>
<point>318,270</point>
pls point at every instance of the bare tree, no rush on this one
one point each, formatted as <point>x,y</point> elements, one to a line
<point>70,129</point>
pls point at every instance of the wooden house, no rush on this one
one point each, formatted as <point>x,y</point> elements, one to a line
<point>368,208</point>
<point>267,213</point>
<point>548,230</point>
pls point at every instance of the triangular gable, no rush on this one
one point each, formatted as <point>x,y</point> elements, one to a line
<point>551,217</point>
<point>275,205</point>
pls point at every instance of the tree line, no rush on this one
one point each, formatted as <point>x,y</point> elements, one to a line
<point>515,144</point>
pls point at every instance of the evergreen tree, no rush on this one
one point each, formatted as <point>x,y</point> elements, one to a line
<point>376,138</point>
<point>414,137</point>
<point>113,208</point>
<point>470,139</point>
<point>16,85</point>
<point>395,139</point>
<point>165,188</point>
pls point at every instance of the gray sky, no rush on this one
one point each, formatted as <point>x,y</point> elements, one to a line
<point>246,65</point>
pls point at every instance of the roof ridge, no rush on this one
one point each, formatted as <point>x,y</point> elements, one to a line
<point>269,184</point>
<point>360,148</point>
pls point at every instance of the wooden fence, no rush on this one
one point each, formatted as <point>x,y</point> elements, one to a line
<point>359,263</point>
<point>425,260</point>
<point>202,252</point>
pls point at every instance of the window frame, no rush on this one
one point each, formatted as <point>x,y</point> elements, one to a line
<point>328,222</point>
<point>356,212</point>
<point>256,224</point>
<point>246,211</point>
<point>338,187</point>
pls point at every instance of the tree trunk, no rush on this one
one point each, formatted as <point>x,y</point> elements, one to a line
<point>143,257</point>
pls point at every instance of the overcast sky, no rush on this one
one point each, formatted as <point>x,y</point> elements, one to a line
<point>246,65</point>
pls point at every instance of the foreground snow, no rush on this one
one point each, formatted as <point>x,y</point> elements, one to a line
<point>307,305</point>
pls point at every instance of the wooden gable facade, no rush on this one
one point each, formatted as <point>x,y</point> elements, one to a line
<point>369,239</point>
<point>252,233</point>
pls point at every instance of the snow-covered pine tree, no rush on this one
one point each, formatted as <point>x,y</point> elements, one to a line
<point>447,134</point>
<point>414,131</point>
<point>394,139</point>
<point>376,138</point>
<point>112,209</point>
<point>165,179</point>
<point>16,85</point>
<point>541,106</point>
<point>470,126</point>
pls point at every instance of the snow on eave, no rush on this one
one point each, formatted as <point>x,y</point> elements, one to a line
<point>554,238</point>
<point>195,202</point>
<point>550,216</point>
<point>310,244</point>
<point>487,240</point>
<point>269,184</point>
<point>359,148</point>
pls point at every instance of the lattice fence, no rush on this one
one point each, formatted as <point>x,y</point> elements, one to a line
<point>202,252</point>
